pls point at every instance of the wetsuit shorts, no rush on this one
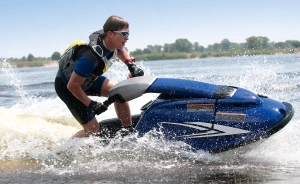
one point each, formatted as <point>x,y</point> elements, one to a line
<point>80,111</point>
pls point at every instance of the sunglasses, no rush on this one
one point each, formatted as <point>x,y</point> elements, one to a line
<point>122,33</point>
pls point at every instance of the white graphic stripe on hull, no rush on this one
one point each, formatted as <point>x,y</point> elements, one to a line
<point>217,130</point>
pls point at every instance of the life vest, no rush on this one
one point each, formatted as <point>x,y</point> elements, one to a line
<point>70,56</point>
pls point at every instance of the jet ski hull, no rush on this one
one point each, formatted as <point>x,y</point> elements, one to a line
<point>207,117</point>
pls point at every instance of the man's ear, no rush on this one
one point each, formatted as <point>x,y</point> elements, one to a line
<point>109,34</point>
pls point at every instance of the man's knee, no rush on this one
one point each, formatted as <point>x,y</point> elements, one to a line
<point>91,127</point>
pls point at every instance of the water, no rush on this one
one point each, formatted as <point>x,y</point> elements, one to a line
<point>36,126</point>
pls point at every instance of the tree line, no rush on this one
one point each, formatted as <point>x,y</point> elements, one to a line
<point>31,58</point>
<point>183,48</point>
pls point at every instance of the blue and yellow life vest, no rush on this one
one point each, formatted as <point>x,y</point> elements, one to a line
<point>70,56</point>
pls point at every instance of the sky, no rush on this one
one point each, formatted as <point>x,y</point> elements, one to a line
<point>42,27</point>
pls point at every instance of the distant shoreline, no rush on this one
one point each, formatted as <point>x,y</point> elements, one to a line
<point>51,63</point>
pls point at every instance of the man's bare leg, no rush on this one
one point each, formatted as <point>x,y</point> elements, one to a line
<point>123,113</point>
<point>122,109</point>
<point>91,128</point>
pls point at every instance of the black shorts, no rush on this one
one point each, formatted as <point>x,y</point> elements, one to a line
<point>79,110</point>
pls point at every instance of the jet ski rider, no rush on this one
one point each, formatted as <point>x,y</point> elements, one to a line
<point>80,74</point>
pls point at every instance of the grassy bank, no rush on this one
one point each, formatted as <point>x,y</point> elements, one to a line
<point>21,64</point>
<point>210,54</point>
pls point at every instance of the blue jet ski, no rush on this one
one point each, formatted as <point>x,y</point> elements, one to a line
<point>207,117</point>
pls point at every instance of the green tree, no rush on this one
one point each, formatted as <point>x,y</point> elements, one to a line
<point>147,51</point>
<point>137,52</point>
<point>30,57</point>
<point>253,43</point>
<point>293,43</point>
<point>264,41</point>
<point>198,48</point>
<point>280,45</point>
<point>183,45</point>
<point>168,47</point>
<point>55,56</point>
<point>215,47</point>
<point>155,48</point>
<point>225,44</point>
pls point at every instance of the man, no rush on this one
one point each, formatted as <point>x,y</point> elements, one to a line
<point>80,75</point>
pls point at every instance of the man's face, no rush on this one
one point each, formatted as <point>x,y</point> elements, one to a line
<point>120,37</point>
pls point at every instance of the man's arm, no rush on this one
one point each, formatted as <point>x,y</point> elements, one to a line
<point>123,55</point>
<point>130,62</point>
<point>74,86</point>
<point>83,67</point>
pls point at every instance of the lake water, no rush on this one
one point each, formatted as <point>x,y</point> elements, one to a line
<point>35,127</point>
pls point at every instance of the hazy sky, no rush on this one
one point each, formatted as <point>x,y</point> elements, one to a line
<point>41,27</point>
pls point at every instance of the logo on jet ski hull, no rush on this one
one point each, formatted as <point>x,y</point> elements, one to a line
<point>207,129</point>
